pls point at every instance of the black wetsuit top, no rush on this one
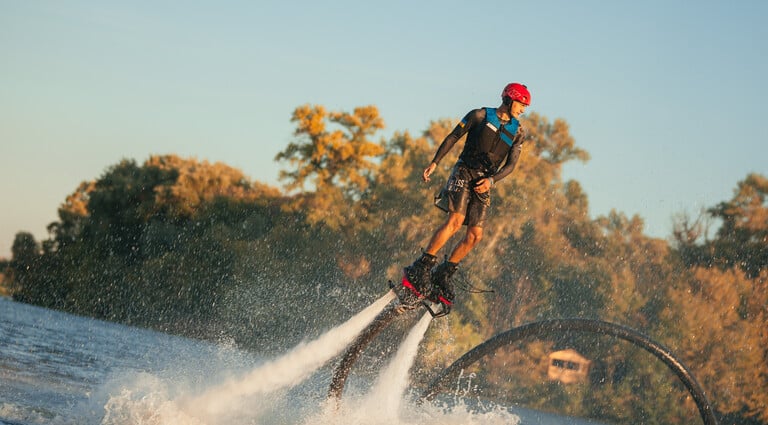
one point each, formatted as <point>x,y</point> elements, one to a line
<point>488,145</point>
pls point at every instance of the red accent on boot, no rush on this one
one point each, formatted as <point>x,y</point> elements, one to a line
<point>410,286</point>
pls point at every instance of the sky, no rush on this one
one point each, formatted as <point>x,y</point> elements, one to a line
<point>666,96</point>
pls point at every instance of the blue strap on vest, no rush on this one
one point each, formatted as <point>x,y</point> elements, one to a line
<point>508,131</point>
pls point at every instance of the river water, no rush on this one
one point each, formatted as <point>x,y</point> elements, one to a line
<point>57,368</point>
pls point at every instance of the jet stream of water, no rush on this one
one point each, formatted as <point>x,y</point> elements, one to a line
<point>291,368</point>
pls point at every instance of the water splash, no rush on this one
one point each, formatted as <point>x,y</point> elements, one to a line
<point>288,370</point>
<point>147,401</point>
<point>386,396</point>
<point>265,395</point>
<point>387,402</point>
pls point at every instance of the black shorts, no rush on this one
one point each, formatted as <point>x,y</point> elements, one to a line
<point>459,196</point>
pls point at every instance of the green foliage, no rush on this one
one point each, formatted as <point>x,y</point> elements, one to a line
<point>741,240</point>
<point>197,249</point>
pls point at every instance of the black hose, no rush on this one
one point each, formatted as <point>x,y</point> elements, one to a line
<point>450,374</point>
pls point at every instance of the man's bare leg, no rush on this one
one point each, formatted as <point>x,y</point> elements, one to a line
<point>473,236</point>
<point>445,232</point>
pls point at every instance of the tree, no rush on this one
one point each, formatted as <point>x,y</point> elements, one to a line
<point>148,244</point>
<point>23,268</point>
<point>5,280</point>
<point>717,324</point>
<point>195,184</point>
<point>742,238</point>
<point>722,298</point>
<point>338,163</point>
<point>24,251</point>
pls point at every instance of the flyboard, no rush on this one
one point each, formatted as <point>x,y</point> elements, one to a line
<point>409,298</point>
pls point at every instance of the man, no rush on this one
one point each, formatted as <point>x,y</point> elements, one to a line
<point>492,148</point>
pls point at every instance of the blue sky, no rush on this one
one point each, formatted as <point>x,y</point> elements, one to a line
<point>666,96</point>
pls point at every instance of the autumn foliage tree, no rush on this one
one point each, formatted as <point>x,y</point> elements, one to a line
<point>724,297</point>
<point>335,162</point>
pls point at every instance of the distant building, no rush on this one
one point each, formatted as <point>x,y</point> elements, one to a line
<point>568,367</point>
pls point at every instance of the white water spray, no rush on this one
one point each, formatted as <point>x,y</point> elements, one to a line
<point>387,394</point>
<point>150,400</point>
<point>290,369</point>
<point>382,404</point>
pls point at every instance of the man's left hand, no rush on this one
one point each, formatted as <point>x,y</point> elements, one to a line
<point>483,185</point>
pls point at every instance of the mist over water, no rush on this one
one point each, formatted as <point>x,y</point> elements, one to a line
<point>288,370</point>
<point>110,374</point>
<point>263,395</point>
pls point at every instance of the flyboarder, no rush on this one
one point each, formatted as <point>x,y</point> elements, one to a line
<point>491,150</point>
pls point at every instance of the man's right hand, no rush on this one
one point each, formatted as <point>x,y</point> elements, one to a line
<point>428,171</point>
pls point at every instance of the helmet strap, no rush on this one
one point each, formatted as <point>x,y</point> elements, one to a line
<point>507,102</point>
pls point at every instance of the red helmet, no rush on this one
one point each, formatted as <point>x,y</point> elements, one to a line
<point>518,92</point>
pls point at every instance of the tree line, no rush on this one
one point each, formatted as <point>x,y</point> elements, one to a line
<point>199,249</point>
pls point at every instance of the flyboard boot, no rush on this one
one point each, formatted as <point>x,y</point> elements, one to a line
<point>416,282</point>
<point>442,288</point>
